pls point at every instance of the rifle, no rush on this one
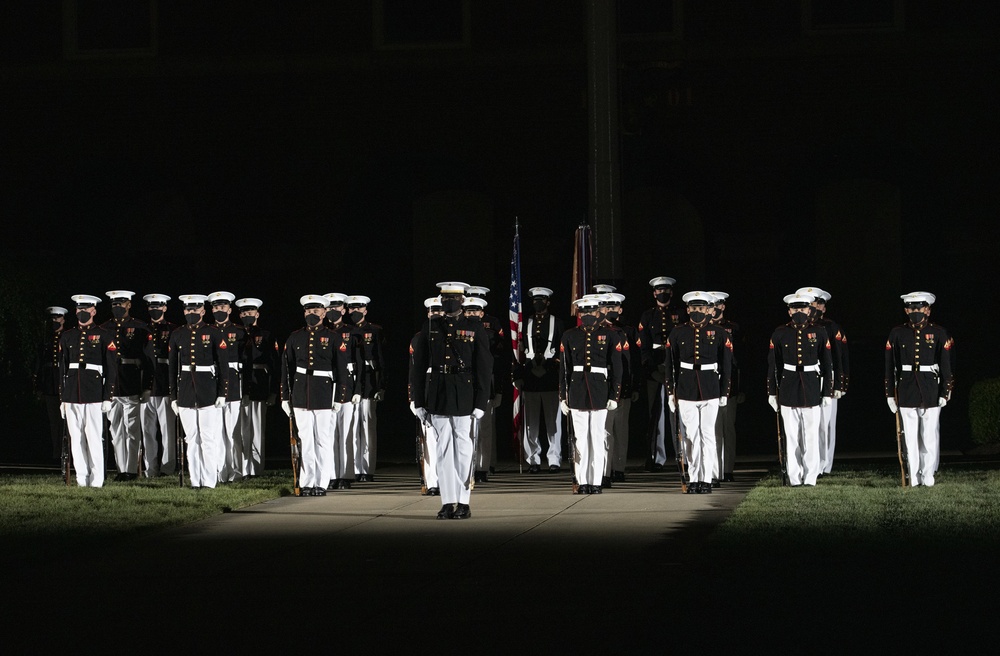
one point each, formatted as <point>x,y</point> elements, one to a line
<point>474,434</point>
<point>782,455</point>
<point>420,457</point>
<point>680,446</point>
<point>904,457</point>
<point>295,452</point>
<point>67,455</point>
<point>179,439</point>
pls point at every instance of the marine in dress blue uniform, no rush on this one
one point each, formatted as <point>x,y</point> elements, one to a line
<point>340,474</point>
<point>655,325</point>
<point>232,456</point>
<point>262,368</point>
<point>159,423</point>
<point>369,361</point>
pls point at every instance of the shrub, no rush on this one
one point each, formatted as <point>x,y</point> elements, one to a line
<point>984,411</point>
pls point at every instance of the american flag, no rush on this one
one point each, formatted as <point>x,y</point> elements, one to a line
<point>515,334</point>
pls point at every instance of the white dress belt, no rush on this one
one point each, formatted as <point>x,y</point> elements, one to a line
<point>657,345</point>
<point>260,366</point>
<point>701,367</point>
<point>162,361</point>
<point>594,370</point>
<point>234,365</point>
<point>923,367</point>
<point>202,368</point>
<point>802,367</point>
<point>83,365</point>
<point>325,373</point>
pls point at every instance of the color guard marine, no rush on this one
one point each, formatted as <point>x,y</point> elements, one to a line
<point>427,448</point>
<point>725,425</point>
<point>262,367</point>
<point>590,383</point>
<point>799,381</point>
<point>133,370</point>
<point>341,465</point>
<point>235,335</point>
<point>370,385</point>
<point>918,383</point>
<point>632,379</point>
<point>450,389</point>
<point>159,425</point>
<point>538,379</point>
<point>197,367</point>
<point>87,371</point>
<point>699,373</point>
<point>502,360</point>
<point>474,309</point>
<point>46,376</point>
<point>655,325</point>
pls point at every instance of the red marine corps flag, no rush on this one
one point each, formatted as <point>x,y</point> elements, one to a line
<point>582,266</point>
<point>517,347</point>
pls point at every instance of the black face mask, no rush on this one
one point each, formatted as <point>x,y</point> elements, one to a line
<point>451,305</point>
<point>192,318</point>
<point>334,315</point>
<point>83,317</point>
<point>800,317</point>
<point>54,326</point>
<point>612,315</point>
<point>589,320</point>
<point>156,315</point>
<point>540,306</point>
<point>663,297</point>
<point>916,317</point>
<point>697,316</point>
<point>356,317</point>
<point>312,319</point>
<point>472,317</point>
<point>248,320</point>
<point>220,316</point>
<point>118,311</point>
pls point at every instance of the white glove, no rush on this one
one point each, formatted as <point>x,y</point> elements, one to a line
<point>62,410</point>
<point>612,405</point>
<point>413,409</point>
<point>220,401</point>
<point>145,396</point>
<point>942,402</point>
<point>564,407</point>
<point>723,400</point>
<point>837,394</point>
<point>826,401</point>
<point>336,406</point>
<point>477,413</point>
<point>672,402</point>
<point>893,408</point>
<point>635,396</point>
<point>286,407</point>
<point>175,407</point>
<point>356,399</point>
<point>379,395</point>
<point>497,400</point>
<point>105,407</point>
<point>271,399</point>
<point>772,400</point>
<point>423,416</point>
<point>518,383</point>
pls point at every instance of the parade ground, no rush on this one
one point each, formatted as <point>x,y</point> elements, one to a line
<point>536,569</point>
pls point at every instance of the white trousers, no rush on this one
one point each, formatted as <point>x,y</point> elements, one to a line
<point>725,437</point>
<point>454,452</point>
<point>617,430</point>
<point>253,419</point>
<point>541,411</point>
<point>486,439</point>
<point>801,426</point>
<point>85,424</point>
<point>591,441</point>
<point>365,436</point>
<point>202,437</point>
<point>827,435</point>
<point>430,463</point>
<point>230,444</point>
<point>315,431</point>
<point>158,428</point>
<point>654,389</point>
<point>340,460</point>
<point>700,452</point>
<point>126,431</point>
<point>922,432</point>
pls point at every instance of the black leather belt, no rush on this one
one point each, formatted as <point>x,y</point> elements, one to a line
<point>449,369</point>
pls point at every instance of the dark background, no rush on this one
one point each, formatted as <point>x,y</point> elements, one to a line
<point>273,149</point>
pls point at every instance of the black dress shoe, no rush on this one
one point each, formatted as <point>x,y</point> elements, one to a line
<point>343,484</point>
<point>706,488</point>
<point>728,478</point>
<point>594,489</point>
<point>699,487</point>
<point>305,491</point>
<point>447,511</point>
<point>554,469</point>
<point>691,488</point>
<point>606,481</point>
<point>583,489</point>
<point>657,467</point>
<point>334,484</point>
<point>462,511</point>
<point>433,492</point>
<point>534,469</point>
<point>480,477</point>
<point>618,476</point>
<point>716,483</point>
<point>319,492</point>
